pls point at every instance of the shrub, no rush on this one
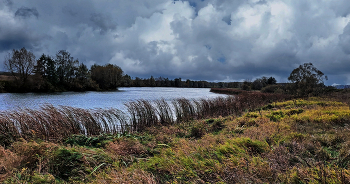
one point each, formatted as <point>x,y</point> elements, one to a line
<point>246,86</point>
<point>92,141</point>
<point>217,125</point>
<point>276,115</point>
<point>67,163</point>
<point>273,89</point>
<point>197,132</point>
<point>34,155</point>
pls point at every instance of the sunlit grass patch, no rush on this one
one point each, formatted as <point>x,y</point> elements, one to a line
<point>300,141</point>
<point>50,160</point>
<point>307,103</point>
<point>338,115</point>
<point>317,174</point>
<point>272,132</point>
<point>202,159</point>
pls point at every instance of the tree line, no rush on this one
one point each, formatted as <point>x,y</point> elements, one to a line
<point>64,73</point>
<point>304,80</point>
<point>59,73</point>
<point>166,82</point>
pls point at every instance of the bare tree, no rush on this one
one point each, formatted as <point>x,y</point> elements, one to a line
<point>21,64</point>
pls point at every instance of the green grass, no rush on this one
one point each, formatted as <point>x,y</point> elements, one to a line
<point>296,141</point>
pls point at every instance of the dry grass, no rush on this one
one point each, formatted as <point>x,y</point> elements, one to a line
<point>57,123</point>
<point>8,161</point>
<point>6,78</point>
<point>126,147</point>
<point>124,175</point>
<point>144,114</point>
<point>284,142</point>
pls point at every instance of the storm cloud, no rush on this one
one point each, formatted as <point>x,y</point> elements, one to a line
<point>26,12</point>
<point>214,40</point>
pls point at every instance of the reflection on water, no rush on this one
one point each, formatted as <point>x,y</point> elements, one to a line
<point>89,100</point>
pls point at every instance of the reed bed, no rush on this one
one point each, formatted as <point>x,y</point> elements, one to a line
<point>57,123</point>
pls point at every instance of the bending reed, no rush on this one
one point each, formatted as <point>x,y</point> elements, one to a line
<point>57,123</point>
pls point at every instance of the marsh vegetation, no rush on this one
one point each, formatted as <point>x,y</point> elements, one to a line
<point>280,141</point>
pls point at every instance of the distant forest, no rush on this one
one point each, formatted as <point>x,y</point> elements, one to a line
<point>25,73</point>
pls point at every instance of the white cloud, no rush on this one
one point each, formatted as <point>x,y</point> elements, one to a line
<point>208,40</point>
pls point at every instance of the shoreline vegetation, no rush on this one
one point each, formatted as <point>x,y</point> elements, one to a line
<point>24,73</point>
<point>252,137</point>
<point>57,123</point>
<point>261,133</point>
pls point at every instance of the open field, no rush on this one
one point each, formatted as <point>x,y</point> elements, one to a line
<point>290,141</point>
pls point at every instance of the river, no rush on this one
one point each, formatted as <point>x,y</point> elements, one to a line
<point>90,99</point>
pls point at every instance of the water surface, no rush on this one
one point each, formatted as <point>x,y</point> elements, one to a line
<point>89,100</point>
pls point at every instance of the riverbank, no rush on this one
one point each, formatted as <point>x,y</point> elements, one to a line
<point>302,140</point>
<point>57,122</point>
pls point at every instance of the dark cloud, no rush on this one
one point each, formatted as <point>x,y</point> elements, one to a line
<point>17,41</point>
<point>227,19</point>
<point>344,39</point>
<point>15,34</point>
<point>103,23</point>
<point>69,10</point>
<point>8,3</point>
<point>218,40</point>
<point>26,12</point>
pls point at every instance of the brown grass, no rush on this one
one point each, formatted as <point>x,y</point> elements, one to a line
<point>6,78</point>
<point>57,123</point>
<point>8,161</point>
<point>126,147</point>
<point>125,176</point>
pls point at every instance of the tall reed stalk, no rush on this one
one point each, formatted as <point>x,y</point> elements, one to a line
<point>57,123</point>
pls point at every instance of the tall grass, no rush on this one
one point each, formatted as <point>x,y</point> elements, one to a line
<point>57,123</point>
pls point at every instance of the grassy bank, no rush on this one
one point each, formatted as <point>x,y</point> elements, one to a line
<point>295,141</point>
<point>56,123</point>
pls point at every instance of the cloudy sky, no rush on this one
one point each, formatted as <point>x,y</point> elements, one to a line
<point>214,40</point>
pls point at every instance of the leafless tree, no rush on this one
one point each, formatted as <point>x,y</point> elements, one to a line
<point>20,63</point>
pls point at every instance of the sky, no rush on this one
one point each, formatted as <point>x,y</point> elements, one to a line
<point>213,40</point>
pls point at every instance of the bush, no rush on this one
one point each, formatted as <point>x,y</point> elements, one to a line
<point>96,142</point>
<point>197,132</point>
<point>246,86</point>
<point>217,125</point>
<point>67,163</point>
<point>273,89</point>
